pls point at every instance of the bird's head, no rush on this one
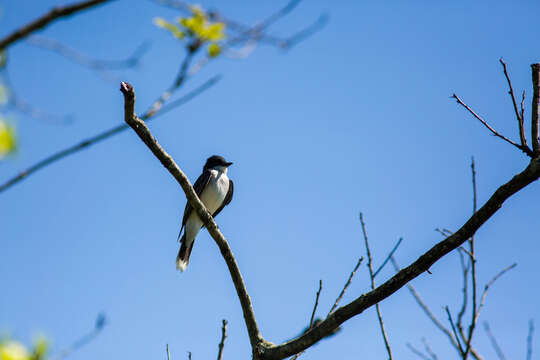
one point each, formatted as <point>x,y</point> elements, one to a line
<point>217,162</point>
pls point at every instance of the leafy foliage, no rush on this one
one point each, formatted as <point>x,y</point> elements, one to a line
<point>197,29</point>
<point>14,350</point>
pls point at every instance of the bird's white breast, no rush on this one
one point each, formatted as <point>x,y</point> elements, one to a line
<point>216,190</point>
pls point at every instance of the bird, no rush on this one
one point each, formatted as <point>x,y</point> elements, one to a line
<point>215,190</point>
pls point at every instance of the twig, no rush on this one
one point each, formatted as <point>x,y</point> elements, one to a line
<point>472,258</point>
<point>487,286</point>
<point>101,67</point>
<point>417,352</point>
<point>372,278</point>
<point>388,257</point>
<point>465,274</point>
<point>349,280</point>
<point>530,339</point>
<point>428,349</point>
<point>493,131</point>
<point>519,116</point>
<point>456,336</point>
<point>493,341</point>
<point>535,110</point>
<point>522,106</point>
<point>83,340</point>
<point>311,320</point>
<point>223,337</point>
<point>189,355</point>
<point>168,352</point>
<point>44,20</point>
<point>432,316</point>
<point>144,134</point>
<point>102,136</point>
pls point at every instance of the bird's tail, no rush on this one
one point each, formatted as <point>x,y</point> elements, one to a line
<point>182,259</point>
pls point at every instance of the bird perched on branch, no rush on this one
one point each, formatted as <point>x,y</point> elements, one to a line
<point>215,190</point>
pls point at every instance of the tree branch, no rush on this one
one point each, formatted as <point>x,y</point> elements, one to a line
<point>46,19</point>
<point>519,116</point>
<point>535,108</point>
<point>526,150</point>
<point>103,136</point>
<point>494,343</point>
<point>166,160</point>
<point>530,174</point>
<point>223,337</point>
<point>372,283</point>
<point>349,280</point>
<point>530,339</point>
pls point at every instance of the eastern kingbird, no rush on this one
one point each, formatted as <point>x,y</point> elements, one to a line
<point>215,190</point>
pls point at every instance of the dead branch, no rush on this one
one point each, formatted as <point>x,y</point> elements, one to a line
<point>530,339</point>
<point>456,336</point>
<point>494,343</point>
<point>144,134</point>
<point>46,19</point>
<point>417,352</point>
<point>390,255</point>
<point>223,337</point>
<point>372,282</point>
<point>519,116</point>
<point>493,131</point>
<point>103,136</point>
<point>535,68</point>
<point>349,280</point>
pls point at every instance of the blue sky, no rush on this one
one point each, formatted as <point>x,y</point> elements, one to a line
<point>356,118</point>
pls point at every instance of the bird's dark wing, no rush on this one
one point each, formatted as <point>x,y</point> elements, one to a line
<point>199,186</point>
<point>227,199</point>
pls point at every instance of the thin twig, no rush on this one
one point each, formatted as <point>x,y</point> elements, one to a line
<point>103,136</point>
<point>522,106</point>
<point>429,350</point>
<point>487,286</point>
<point>349,280</point>
<point>472,258</point>
<point>519,116</point>
<point>372,278</point>
<point>311,320</point>
<point>461,350</point>
<point>493,131</point>
<point>535,110</point>
<point>189,355</point>
<point>84,340</point>
<point>417,352</point>
<point>530,339</point>
<point>223,337</point>
<point>388,257</point>
<point>168,352</point>
<point>493,341</point>
<point>44,20</point>
<point>465,274</point>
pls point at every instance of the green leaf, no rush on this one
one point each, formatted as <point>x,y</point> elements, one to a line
<point>175,30</point>
<point>214,50</point>
<point>8,144</point>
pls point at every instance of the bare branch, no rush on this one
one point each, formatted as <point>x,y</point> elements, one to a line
<point>144,134</point>
<point>44,20</point>
<point>428,349</point>
<point>315,306</point>
<point>223,337</point>
<point>388,257</point>
<point>465,274</point>
<point>519,116</point>
<point>487,286</point>
<point>168,352</point>
<point>530,339</point>
<point>417,352</point>
<point>349,280</point>
<point>493,131</point>
<point>456,336</point>
<point>102,136</point>
<point>84,340</point>
<point>522,106</point>
<point>535,110</point>
<point>494,343</point>
<point>101,67</point>
<point>372,281</point>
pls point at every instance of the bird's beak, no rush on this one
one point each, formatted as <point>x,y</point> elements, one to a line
<point>228,164</point>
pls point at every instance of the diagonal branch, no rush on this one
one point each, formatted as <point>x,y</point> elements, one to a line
<point>530,174</point>
<point>494,343</point>
<point>390,255</point>
<point>519,116</point>
<point>535,108</point>
<point>526,150</point>
<point>349,280</point>
<point>103,136</point>
<point>41,22</point>
<point>166,160</point>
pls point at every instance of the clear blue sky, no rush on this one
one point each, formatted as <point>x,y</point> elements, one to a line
<point>357,118</point>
